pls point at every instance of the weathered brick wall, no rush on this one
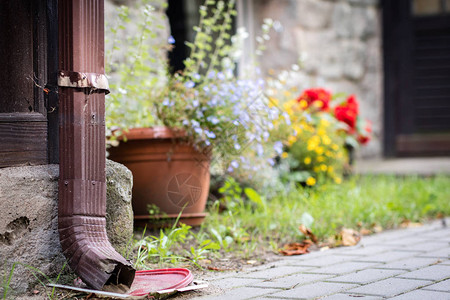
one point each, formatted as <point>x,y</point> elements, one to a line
<point>341,45</point>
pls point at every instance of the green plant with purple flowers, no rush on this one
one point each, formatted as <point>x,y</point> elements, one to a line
<point>216,108</point>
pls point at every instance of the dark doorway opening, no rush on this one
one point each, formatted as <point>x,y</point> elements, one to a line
<point>417,77</point>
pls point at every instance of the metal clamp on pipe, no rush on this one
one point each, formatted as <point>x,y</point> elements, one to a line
<point>95,82</point>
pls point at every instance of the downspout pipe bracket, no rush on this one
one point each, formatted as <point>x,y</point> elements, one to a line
<point>93,81</point>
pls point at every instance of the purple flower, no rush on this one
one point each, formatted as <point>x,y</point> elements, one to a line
<point>234,164</point>
<point>210,134</point>
<point>259,149</point>
<point>213,119</point>
<point>189,84</point>
<point>171,40</point>
<point>278,147</point>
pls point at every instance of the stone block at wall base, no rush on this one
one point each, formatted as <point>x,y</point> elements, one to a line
<point>119,213</point>
<point>29,221</point>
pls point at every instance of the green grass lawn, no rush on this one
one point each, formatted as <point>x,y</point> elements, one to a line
<point>265,224</point>
<point>366,201</point>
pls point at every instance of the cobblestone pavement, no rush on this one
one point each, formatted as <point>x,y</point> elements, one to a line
<point>400,264</point>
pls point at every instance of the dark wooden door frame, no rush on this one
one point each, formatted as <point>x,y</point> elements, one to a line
<point>51,99</point>
<point>408,128</point>
<point>32,137</point>
<point>394,45</point>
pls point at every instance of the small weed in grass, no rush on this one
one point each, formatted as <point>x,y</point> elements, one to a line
<point>40,277</point>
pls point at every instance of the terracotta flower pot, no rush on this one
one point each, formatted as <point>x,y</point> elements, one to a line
<point>167,172</point>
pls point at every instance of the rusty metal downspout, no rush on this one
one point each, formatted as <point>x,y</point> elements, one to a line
<point>82,183</point>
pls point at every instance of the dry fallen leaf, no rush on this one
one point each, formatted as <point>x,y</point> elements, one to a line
<point>350,237</point>
<point>377,228</point>
<point>206,261</point>
<point>35,292</point>
<point>409,224</point>
<point>308,233</point>
<point>295,249</point>
<point>365,231</point>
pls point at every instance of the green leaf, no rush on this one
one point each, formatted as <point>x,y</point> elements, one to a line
<point>254,196</point>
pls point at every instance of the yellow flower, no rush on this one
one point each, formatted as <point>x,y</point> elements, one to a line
<point>311,181</point>
<point>323,167</point>
<point>321,132</point>
<point>319,150</point>
<point>292,139</point>
<point>324,123</point>
<point>311,146</point>
<point>307,160</point>
<point>338,180</point>
<point>335,147</point>
<point>315,139</point>
<point>330,169</point>
<point>297,128</point>
<point>284,155</point>
<point>320,159</point>
<point>326,140</point>
<point>316,169</point>
<point>318,104</point>
<point>328,153</point>
<point>303,104</point>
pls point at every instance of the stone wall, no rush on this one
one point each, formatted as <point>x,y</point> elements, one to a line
<point>29,221</point>
<point>339,44</point>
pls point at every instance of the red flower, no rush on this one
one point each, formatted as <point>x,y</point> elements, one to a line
<point>321,96</point>
<point>364,135</point>
<point>347,112</point>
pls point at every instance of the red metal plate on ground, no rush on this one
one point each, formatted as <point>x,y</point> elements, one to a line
<point>150,281</point>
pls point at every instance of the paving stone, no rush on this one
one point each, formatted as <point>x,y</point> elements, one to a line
<point>423,246</point>
<point>391,234</point>
<point>344,267</point>
<point>242,293</point>
<point>422,294</point>
<point>443,286</point>
<point>406,241</point>
<point>366,250</point>
<point>314,290</point>
<point>390,287</point>
<point>274,272</point>
<point>326,261</point>
<point>350,296</point>
<point>410,264</point>
<point>366,276</point>
<point>435,272</point>
<point>291,281</point>
<point>308,256</point>
<point>438,234</point>
<point>234,282</point>
<point>442,253</point>
<point>387,256</point>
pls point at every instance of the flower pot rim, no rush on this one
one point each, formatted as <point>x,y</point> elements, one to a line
<point>156,132</point>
